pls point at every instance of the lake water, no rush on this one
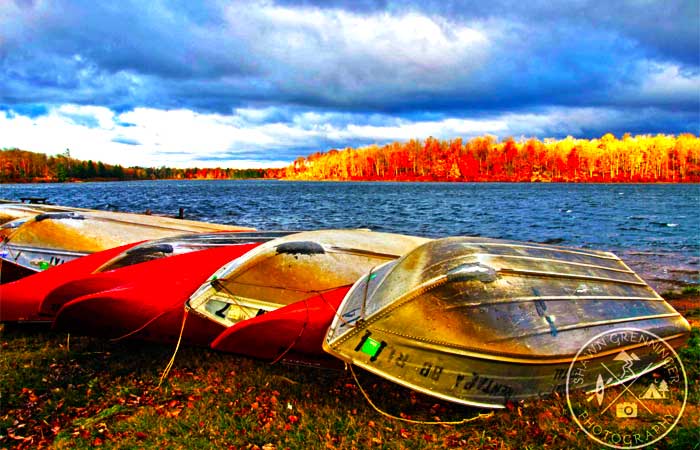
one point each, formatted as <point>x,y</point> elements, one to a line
<point>655,228</point>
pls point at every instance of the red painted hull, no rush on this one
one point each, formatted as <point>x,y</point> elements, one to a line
<point>295,329</point>
<point>20,300</point>
<point>142,301</point>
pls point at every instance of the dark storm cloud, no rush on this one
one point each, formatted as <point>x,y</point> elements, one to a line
<point>217,56</point>
<point>667,29</point>
<point>647,122</point>
<point>118,55</point>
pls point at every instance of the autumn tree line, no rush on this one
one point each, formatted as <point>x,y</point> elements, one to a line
<point>17,166</point>
<point>645,158</point>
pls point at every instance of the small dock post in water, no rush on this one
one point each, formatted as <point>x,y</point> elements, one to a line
<point>180,213</point>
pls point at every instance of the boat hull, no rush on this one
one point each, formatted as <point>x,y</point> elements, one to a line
<point>481,322</point>
<point>296,330</point>
<point>20,298</point>
<point>481,379</point>
<point>281,297</point>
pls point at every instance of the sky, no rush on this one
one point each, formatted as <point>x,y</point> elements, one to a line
<point>260,83</point>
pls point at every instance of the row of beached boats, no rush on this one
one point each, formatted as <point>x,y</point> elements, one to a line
<point>471,320</point>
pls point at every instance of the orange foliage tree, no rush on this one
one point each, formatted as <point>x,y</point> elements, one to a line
<point>642,158</point>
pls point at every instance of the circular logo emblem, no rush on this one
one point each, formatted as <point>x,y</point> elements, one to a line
<point>626,388</point>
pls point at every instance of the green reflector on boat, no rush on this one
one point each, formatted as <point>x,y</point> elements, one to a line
<point>371,347</point>
<point>43,265</point>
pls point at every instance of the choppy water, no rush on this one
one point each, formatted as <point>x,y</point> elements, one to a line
<point>655,228</point>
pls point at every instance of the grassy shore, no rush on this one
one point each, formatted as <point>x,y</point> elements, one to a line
<point>84,392</point>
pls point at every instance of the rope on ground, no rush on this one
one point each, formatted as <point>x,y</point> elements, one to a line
<point>177,347</point>
<point>419,422</point>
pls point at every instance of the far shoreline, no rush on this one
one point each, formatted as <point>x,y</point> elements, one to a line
<point>297,180</point>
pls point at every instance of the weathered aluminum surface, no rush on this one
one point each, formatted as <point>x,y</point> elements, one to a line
<point>10,210</point>
<point>480,321</point>
<point>292,268</point>
<point>51,238</point>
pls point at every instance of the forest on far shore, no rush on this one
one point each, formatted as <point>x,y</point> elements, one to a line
<point>21,166</point>
<point>642,158</point>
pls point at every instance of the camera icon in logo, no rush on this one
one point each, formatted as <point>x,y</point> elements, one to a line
<point>626,410</point>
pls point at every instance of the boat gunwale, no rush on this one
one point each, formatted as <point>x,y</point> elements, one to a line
<point>26,248</point>
<point>502,357</point>
<point>451,398</point>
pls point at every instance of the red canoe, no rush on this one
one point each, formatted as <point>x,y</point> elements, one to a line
<point>20,300</point>
<point>141,301</point>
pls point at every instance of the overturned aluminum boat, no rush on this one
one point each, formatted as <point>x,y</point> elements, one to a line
<point>12,210</point>
<point>481,322</point>
<point>41,241</point>
<point>281,296</point>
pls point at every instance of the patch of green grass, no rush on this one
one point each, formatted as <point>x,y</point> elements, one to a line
<point>693,290</point>
<point>690,355</point>
<point>685,438</point>
<point>690,290</point>
<point>100,393</point>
